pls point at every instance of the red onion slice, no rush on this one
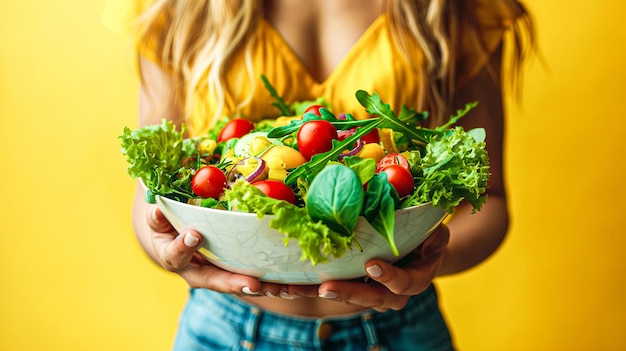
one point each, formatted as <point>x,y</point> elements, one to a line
<point>356,150</point>
<point>343,134</point>
<point>234,173</point>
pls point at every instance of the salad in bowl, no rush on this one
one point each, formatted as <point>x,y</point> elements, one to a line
<point>310,196</point>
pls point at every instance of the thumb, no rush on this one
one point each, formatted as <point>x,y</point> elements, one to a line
<point>178,253</point>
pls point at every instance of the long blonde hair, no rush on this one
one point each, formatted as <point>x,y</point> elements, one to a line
<point>197,38</point>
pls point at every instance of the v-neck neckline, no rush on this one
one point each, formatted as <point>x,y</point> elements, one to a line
<point>354,50</point>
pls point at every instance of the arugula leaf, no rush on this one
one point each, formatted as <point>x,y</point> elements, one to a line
<point>374,105</point>
<point>317,163</point>
<point>412,116</point>
<point>294,125</point>
<point>280,104</point>
<point>459,114</point>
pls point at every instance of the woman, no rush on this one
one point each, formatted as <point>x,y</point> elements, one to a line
<point>202,59</point>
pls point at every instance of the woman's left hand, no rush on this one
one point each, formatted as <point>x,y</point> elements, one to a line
<point>387,286</point>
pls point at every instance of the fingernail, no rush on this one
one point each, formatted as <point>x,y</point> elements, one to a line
<point>190,240</point>
<point>328,295</point>
<point>374,271</point>
<point>246,290</point>
<point>269,294</point>
<point>285,295</point>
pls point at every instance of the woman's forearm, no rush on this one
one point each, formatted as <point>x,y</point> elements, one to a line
<point>140,224</point>
<point>475,236</point>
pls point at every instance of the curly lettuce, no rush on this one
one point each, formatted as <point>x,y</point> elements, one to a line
<point>155,154</point>
<point>455,166</point>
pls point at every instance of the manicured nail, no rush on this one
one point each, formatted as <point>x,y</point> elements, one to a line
<point>190,240</point>
<point>328,295</point>
<point>246,290</point>
<point>374,271</point>
<point>269,294</point>
<point>285,295</point>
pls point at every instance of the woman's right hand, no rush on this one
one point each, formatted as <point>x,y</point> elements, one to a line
<point>177,252</point>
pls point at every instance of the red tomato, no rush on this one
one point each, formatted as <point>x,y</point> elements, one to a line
<point>392,159</point>
<point>209,181</point>
<point>400,178</point>
<point>372,137</point>
<point>314,109</point>
<point>235,128</point>
<point>315,137</point>
<point>276,190</point>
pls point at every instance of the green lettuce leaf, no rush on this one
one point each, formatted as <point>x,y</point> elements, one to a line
<point>315,239</point>
<point>155,154</point>
<point>455,167</point>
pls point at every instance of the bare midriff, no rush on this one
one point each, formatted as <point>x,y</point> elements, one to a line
<point>303,306</point>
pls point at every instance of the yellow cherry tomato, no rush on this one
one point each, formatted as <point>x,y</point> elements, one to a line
<point>284,120</point>
<point>373,151</point>
<point>291,157</point>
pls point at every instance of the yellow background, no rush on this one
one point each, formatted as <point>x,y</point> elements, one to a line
<point>72,276</point>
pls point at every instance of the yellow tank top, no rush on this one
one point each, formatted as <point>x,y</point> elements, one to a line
<point>373,64</point>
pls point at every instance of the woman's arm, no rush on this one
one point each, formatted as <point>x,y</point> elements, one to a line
<point>474,237</point>
<point>155,103</point>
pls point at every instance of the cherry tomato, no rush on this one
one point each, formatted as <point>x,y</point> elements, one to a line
<point>209,181</point>
<point>276,190</point>
<point>400,178</point>
<point>392,159</point>
<point>235,128</point>
<point>314,109</point>
<point>372,137</point>
<point>315,137</point>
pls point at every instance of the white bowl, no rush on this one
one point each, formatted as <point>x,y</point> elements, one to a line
<point>242,243</point>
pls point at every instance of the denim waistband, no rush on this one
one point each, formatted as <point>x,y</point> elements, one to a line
<point>310,331</point>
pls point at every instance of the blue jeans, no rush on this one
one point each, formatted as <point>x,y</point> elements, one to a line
<point>214,321</point>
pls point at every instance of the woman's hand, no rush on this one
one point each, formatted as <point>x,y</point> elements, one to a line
<point>387,286</point>
<point>178,253</point>
<point>171,250</point>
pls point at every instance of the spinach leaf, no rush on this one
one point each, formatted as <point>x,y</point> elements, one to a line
<point>335,197</point>
<point>381,201</point>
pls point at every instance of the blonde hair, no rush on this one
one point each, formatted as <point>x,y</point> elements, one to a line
<point>434,26</point>
<point>197,38</point>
